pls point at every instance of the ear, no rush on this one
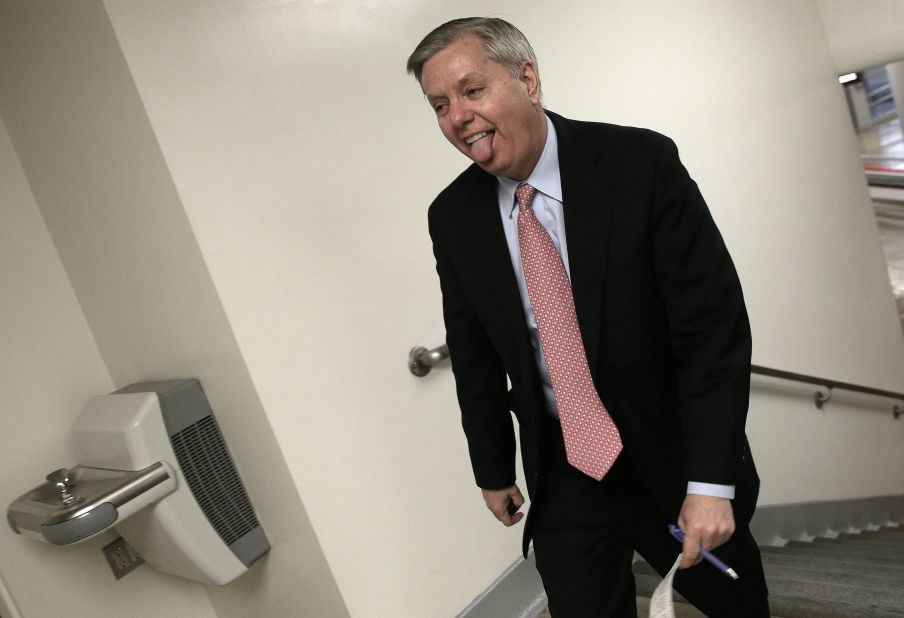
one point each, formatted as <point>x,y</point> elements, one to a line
<point>530,77</point>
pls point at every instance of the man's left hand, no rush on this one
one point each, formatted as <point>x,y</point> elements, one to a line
<point>707,522</point>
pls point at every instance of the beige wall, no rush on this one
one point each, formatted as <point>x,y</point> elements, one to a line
<point>863,33</point>
<point>100,181</point>
<point>849,449</point>
<point>305,145</point>
<point>264,195</point>
<point>296,159</point>
<point>51,366</point>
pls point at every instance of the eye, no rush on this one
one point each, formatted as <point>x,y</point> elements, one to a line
<point>473,92</point>
<point>440,108</point>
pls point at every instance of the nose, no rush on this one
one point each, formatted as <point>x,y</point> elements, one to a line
<point>461,113</point>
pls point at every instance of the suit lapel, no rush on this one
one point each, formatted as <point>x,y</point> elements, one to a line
<point>490,261</point>
<point>587,185</point>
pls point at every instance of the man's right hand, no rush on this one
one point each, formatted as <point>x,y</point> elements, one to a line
<point>498,501</point>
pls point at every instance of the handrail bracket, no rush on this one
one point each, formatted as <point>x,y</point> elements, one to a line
<point>820,398</point>
<point>421,360</point>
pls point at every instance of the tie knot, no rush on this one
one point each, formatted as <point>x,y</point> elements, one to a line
<point>525,195</point>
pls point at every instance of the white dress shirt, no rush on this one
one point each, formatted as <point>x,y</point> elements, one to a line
<point>548,209</point>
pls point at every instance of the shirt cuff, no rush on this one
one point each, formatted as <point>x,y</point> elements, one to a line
<point>711,489</point>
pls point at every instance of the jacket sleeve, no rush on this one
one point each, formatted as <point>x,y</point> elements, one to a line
<point>707,321</point>
<point>480,378</point>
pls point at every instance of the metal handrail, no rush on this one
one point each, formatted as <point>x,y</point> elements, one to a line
<point>820,397</point>
<point>421,360</point>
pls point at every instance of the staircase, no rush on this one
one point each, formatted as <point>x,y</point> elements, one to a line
<point>852,576</point>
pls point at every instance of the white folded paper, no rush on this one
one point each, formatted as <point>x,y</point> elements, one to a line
<point>661,604</point>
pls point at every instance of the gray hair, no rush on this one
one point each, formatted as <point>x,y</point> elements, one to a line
<point>504,43</point>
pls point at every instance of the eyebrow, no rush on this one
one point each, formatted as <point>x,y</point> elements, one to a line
<point>466,78</point>
<point>469,77</point>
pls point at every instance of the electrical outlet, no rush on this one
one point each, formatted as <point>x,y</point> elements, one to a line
<point>122,558</point>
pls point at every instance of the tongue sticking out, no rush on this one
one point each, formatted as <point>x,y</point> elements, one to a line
<point>482,149</point>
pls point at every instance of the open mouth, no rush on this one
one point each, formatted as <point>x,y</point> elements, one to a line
<point>476,137</point>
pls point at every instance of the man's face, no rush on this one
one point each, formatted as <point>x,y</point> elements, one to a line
<point>493,118</point>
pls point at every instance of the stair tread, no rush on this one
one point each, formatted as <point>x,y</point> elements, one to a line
<point>851,576</point>
<point>885,530</point>
<point>645,585</point>
<point>836,554</point>
<point>864,543</point>
<point>830,565</point>
<point>839,586</point>
<point>847,577</point>
<point>795,607</point>
<point>807,599</point>
<point>845,593</point>
<point>825,545</point>
<point>881,532</point>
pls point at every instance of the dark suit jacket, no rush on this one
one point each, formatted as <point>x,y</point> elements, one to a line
<point>659,306</point>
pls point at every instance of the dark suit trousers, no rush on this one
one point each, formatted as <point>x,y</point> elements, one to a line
<point>585,533</point>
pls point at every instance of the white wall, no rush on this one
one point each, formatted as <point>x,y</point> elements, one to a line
<point>51,366</point>
<point>863,33</point>
<point>303,159</point>
<point>99,179</point>
<point>849,449</point>
<point>294,136</point>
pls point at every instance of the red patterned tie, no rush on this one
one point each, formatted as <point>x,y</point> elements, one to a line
<point>591,437</point>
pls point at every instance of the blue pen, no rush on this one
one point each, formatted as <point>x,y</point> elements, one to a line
<point>678,534</point>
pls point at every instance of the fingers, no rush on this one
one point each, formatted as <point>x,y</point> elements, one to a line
<point>504,504</point>
<point>511,520</point>
<point>690,552</point>
<point>689,556</point>
<point>707,523</point>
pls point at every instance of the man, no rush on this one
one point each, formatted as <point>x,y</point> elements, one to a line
<point>579,261</point>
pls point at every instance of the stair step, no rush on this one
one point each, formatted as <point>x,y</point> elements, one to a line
<point>866,539</point>
<point>834,587</point>
<point>646,584</point>
<point>794,607</point>
<point>783,602</point>
<point>887,532</point>
<point>828,565</point>
<point>642,567</point>
<point>829,545</point>
<point>836,592</point>
<point>838,554</point>
<point>864,543</point>
<point>804,599</point>
<point>848,577</point>
<point>867,535</point>
<point>851,576</point>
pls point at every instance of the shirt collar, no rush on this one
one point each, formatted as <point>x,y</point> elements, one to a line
<point>545,178</point>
